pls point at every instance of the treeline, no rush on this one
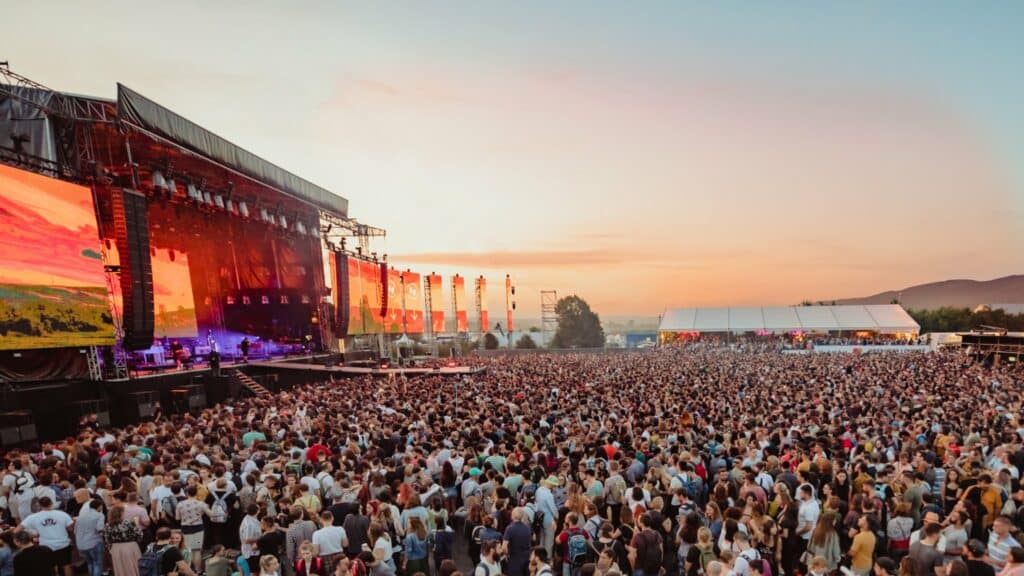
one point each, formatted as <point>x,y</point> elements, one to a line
<point>948,319</point>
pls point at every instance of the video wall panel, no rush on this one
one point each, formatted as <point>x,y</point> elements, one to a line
<point>436,303</point>
<point>365,297</point>
<point>459,291</point>
<point>413,303</point>
<point>53,290</point>
<point>394,318</point>
<point>173,302</point>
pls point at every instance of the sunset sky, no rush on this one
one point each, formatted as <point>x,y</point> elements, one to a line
<point>643,155</point>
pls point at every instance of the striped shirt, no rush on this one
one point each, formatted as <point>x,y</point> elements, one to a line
<point>999,548</point>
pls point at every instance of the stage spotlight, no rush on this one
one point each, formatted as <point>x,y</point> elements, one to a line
<point>158,181</point>
<point>207,198</point>
<point>264,215</point>
<point>314,230</point>
<point>301,228</point>
<point>284,221</point>
<point>192,193</point>
<point>172,188</point>
<point>229,205</point>
<point>218,201</point>
<point>243,209</point>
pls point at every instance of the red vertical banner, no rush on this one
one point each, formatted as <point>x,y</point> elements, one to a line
<point>413,303</point>
<point>394,319</point>
<point>508,303</point>
<point>481,288</point>
<point>373,297</point>
<point>366,297</point>
<point>459,301</point>
<point>354,272</point>
<point>436,303</point>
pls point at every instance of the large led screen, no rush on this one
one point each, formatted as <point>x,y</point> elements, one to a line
<point>395,314</point>
<point>173,303</point>
<point>459,297</point>
<point>436,303</point>
<point>413,303</point>
<point>53,291</point>
<point>365,297</point>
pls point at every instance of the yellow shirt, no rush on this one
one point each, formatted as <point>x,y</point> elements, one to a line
<point>862,550</point>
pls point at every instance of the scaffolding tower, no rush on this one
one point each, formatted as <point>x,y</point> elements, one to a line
<point>548,316</point>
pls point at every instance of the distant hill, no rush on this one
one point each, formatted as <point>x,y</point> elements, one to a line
<point>958,293</point>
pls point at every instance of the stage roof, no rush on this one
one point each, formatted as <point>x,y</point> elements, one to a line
<point>885,319</point>
<point>136,110</point>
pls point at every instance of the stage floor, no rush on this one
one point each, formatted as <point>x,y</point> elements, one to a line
<point>224,367</point>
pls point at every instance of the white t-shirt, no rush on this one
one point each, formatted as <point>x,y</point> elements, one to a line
<point>12,477</point>
<point>52,527</point>
<point>314,486</point>
<point>808,517</point>
<point>384,544</point>
<point>159,493</point>
<point>328,540</point>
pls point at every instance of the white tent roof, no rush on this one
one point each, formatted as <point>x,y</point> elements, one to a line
<point>886,319</point>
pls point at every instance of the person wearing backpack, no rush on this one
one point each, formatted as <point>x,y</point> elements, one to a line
<point>490,564</point>
<point>221,501</point>
<point>574,545</point>
<point>161,558</point>
<point>700,554</point>
<point>615,493</point>
<point>18,484</point>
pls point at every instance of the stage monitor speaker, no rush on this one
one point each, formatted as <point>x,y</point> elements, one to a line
<point>197,400</point>
<point>341,287</point>
<point>131,225</point>
<point>144,403</point>
<point>10,436</point>
<point>28,433</point>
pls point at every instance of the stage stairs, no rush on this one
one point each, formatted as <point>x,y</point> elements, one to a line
<point>252,386</point>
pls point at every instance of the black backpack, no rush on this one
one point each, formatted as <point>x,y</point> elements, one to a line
<point>537,527</point>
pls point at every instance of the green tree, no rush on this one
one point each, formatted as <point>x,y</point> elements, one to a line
<point>526,343</point>
<point>578,325</point>
<point>950,319</point>
<point>490,341</point>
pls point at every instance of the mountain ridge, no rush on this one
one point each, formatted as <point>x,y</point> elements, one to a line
<point>959,292</point>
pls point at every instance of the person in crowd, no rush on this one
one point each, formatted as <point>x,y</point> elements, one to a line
<point>219,563</point>
<point>638,441</point>
<point>54,529</point>
<point>308,563</point>
<point>329,541</point>
<point>89,527</point>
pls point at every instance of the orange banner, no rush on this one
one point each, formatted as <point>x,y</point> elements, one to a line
<point>436,303</point>
<point>413,303</point>
<point>459,296</point>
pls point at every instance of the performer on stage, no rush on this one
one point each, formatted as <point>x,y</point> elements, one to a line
<point>244,347</point>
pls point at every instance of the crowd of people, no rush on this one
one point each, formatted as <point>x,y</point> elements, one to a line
<point>674,461</point>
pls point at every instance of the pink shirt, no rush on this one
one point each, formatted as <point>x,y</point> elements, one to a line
<point>133,511</point>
